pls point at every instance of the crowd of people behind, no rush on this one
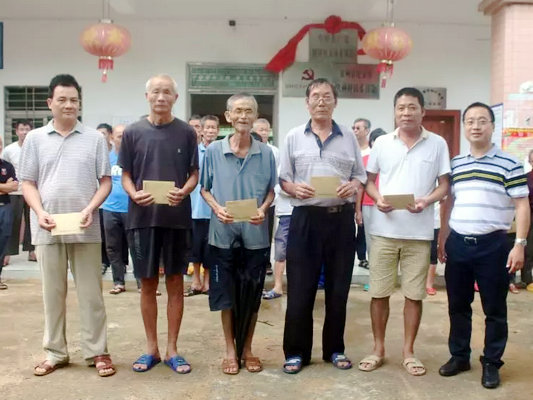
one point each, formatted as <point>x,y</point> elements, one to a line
<point>165,193</point>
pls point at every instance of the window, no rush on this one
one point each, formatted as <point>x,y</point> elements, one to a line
<point>25,103</point>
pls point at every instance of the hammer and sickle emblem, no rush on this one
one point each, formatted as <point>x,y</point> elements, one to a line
<point>308,75</point>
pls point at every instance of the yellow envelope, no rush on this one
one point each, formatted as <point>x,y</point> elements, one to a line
<point>400,201</point>
<point>242,210</point>
<point>67,224</point>
<point>158,190</point>
<point>325,186</point>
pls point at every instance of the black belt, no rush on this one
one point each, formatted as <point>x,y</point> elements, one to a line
<point>331,209</point>
<point>3,204</point>
<point>474,240</point>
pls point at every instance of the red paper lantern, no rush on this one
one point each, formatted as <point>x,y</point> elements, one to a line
<point>105,40</point>
<point>387,44</point>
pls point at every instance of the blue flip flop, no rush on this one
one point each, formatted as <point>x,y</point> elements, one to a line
<point>146,359</point>
<point>337,358</point>
<point>271,295</point>
<point>178,361</point>
<point>293,362</point>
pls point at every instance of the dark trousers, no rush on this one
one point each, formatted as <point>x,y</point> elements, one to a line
<point>525,273</point>
<point>361,242</point>
<point>20,209</point>
<point>116,243</point>
<point>6,219</point>
<point>483,259</point>
<point>271,217</point>
<point>105,260</point>
<point>318,235</point>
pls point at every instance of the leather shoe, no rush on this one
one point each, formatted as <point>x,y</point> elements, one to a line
<point>453,367</point>
<point>491,376</point>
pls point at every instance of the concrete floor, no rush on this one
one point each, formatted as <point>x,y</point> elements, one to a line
<point>21,327</point>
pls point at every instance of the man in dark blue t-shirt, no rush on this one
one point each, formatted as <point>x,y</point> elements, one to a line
<point>160,148</point>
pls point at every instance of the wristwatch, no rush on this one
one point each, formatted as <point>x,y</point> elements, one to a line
<point>521,242</point>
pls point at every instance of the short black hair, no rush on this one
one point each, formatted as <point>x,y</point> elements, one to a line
<point>410,91</point>
<point>63,80</point>
<point>374,135</point>
<point>24,122</point>
<point>320,81</point>
<point>105,126</point>
<point>482,105</point>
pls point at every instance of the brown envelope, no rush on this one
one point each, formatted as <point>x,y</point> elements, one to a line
<point>67,224</point>
<point>159,190</point>
<point>400,201</point>
<point>325,186</point>
<point>242,210</point>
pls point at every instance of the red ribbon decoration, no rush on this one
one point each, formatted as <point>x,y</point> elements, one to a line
<point>333,24</point>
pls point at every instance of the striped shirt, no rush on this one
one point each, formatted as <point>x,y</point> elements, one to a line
<point>305,156</point>
<point>484,189</point>
<point>66,170</point>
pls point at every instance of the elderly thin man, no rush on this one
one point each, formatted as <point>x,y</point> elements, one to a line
<point>322,229</point>
<point>238,168</point>
<point>160,148</point>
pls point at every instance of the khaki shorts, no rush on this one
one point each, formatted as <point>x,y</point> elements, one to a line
<point>413,259</point>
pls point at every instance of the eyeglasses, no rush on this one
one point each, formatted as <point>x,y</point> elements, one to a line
<point>480,122</point>
<point>315,99</point>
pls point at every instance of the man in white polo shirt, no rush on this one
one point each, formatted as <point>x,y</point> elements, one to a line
<point>408,161</point>
<point>489,189</point>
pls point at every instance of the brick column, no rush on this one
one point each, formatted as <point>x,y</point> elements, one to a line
<point>512,56</point>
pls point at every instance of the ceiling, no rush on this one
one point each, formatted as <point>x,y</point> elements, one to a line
<point>452,12</point>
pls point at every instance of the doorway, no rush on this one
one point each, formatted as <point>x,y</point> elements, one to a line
<point>215,104</point>
<point>446,123</point>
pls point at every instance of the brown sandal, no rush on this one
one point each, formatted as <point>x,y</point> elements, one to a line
<point>105,363</point>
<point>230,366</point>
<point>117,289</point>
<point>48,369</point>
<point>253,364</point>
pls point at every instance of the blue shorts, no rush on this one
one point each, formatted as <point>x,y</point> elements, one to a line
<point>280,238</point>
<point>200,246</point>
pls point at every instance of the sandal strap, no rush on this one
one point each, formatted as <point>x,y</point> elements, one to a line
<point>103,359</point>
<point>293,361</point>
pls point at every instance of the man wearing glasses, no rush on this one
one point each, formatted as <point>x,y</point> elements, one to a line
<point>488,189</point>
<point>322,229</point>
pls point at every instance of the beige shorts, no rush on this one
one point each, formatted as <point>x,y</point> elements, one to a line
<point>412,256</point>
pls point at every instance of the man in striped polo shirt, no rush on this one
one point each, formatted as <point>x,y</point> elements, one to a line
<point>488,189</point>
<point>64,168</point>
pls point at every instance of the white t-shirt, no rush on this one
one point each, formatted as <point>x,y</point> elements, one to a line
<point>407,171</point>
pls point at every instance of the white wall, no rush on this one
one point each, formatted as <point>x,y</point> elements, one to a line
<point>453,56</point>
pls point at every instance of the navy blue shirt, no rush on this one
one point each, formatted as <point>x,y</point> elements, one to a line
<point>6,171</point>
